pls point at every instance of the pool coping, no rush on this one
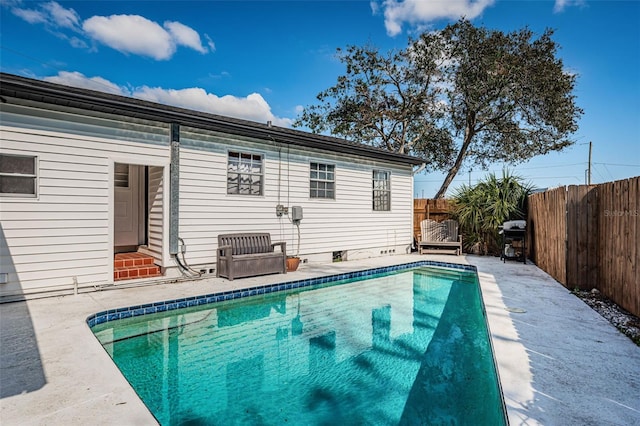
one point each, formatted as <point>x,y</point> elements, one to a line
<point>205,299</point>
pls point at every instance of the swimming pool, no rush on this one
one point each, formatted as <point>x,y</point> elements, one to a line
<point>405,345</point>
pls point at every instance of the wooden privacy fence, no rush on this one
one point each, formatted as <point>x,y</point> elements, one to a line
<point>423,208</point>
<point>587,237</point>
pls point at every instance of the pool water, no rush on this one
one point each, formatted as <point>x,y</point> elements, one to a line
<point>406,347</point>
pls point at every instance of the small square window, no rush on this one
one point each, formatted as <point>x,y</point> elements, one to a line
<point>18,175</point>
<point>322,181</point>
<point>244,173</point>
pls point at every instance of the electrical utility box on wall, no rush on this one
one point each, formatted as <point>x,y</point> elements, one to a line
<point>296,213</point>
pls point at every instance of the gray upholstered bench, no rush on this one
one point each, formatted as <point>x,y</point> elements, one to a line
<point>248,255</point>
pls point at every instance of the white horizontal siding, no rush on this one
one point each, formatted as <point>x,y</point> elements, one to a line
<point>346,223</point>
<point>73,121</point>
<point>62,242</point>
<point>65,232</point>
<point>47,225</point>
<point>25,235</point>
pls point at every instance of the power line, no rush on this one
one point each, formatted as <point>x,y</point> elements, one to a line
<point>602,178</point>
<point>619,165</point>
<point>607,169</point>
<point>31,58</point>
<point>548,167</point>
<point>531,168</point>
<point>555,177</point>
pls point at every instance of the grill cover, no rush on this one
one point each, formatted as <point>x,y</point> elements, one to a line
<point>514,225</point>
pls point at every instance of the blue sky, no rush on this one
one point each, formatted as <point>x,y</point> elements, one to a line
<point>265,60</point>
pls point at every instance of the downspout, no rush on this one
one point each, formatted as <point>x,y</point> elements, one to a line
<point>174,192</point>
<point>176,244</point>
<point>419,169</point>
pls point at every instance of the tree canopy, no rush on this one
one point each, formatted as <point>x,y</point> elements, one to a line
<point>462,95</point>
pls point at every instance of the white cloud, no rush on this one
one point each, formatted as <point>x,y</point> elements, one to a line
<point>51,14</point>
<point>418,12</point>
<point>375,7</point>
<point>252,107</point>
<point>77,79</point>
<point>30,15</point>
<point>77,42</point>
<point>185,36</point>
<point>66,18</point>
<point>223,74</point>
<point>134,34</point>
<point>210,43</point>
<point>561,5</point>
<point>131,34</point>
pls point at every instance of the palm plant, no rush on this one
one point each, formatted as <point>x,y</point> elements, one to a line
<point>482,208</point>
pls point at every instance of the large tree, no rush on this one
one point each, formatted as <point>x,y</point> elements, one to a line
<point>460,95</point>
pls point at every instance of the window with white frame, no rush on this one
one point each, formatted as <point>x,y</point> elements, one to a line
<point>322,181</point>
<point>18,175</point>
<point>245,173</point>
<point>381,190</point>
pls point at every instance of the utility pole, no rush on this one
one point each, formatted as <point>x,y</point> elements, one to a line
<point>589,166</point>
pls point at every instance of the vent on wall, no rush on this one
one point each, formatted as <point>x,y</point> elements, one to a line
<point>340,256</point>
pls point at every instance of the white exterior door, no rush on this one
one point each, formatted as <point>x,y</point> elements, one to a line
<point>127,205</point>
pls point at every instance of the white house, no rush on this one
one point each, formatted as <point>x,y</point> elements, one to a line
<point>85,175</point>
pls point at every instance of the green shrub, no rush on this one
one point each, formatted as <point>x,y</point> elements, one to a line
<point>481,208</point>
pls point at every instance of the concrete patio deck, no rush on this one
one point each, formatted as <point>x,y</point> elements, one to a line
<point>560,363</point>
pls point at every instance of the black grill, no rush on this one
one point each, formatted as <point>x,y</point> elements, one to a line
<point>514,241</point>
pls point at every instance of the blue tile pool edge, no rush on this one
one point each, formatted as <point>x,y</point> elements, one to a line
<point>185,302</point>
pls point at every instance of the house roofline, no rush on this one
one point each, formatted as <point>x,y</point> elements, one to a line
<point>68,96</point>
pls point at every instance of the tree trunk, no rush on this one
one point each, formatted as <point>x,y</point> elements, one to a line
<point>447,181</point>
<point>453,171</point>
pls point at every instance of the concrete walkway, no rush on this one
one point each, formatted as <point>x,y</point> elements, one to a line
<point>559,362</point>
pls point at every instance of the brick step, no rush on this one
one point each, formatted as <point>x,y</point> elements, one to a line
<point>128,266</point>
<point>132,272</point>
<point>122,260</point>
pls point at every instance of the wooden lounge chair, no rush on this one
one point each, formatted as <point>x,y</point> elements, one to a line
<point>439,238</point>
